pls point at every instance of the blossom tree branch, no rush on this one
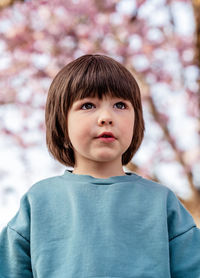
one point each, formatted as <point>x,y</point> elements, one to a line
<point>6,3</point>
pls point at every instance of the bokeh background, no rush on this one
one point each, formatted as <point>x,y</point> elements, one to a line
<point>157,40</point>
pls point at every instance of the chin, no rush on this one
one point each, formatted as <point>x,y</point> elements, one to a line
<point>105,158</point>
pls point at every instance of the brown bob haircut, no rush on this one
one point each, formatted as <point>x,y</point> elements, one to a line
<point>89,76</point>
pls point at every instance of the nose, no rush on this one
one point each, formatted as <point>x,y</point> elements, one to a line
<point>105,119</point>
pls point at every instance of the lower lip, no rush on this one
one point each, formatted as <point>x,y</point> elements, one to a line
<point>106,139</point>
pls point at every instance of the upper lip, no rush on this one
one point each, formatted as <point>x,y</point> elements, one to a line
<point>107,134</point>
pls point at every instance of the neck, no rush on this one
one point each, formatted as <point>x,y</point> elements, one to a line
<point>102,171</point>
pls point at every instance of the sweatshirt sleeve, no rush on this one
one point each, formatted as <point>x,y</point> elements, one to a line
<point>184,241</point>
<point>15,260</point>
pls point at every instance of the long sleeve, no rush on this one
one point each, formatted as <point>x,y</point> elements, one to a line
<point>184,241</point>
<point>15,258</point>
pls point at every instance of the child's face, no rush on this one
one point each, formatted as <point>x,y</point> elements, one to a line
<point>90,117</point>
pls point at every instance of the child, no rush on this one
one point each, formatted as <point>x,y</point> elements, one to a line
<point>96,220</point>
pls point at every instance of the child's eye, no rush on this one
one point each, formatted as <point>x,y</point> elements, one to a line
<point>87,106</point>
<point>121,105</point>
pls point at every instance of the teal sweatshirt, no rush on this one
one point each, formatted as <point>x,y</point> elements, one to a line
<point>78,226</point>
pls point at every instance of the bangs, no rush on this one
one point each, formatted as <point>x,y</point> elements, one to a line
<point>100,78</point>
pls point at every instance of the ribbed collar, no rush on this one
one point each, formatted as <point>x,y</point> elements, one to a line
<point>89,179</point>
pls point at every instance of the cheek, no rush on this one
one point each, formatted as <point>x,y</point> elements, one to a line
<point>79,130</point>
<point>73,130</point>
<point>127,127</point>
<point>127,132</point>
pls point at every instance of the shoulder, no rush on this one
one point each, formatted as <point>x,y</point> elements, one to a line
<point>46,184</point>
<point>45,189</point>
<point>158,189</point>
<point>41,195</point>
<point>152,188</point>
<point>178,218</point>
<point>158,192</point>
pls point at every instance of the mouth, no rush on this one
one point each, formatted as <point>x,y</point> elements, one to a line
<point>106,137</point>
